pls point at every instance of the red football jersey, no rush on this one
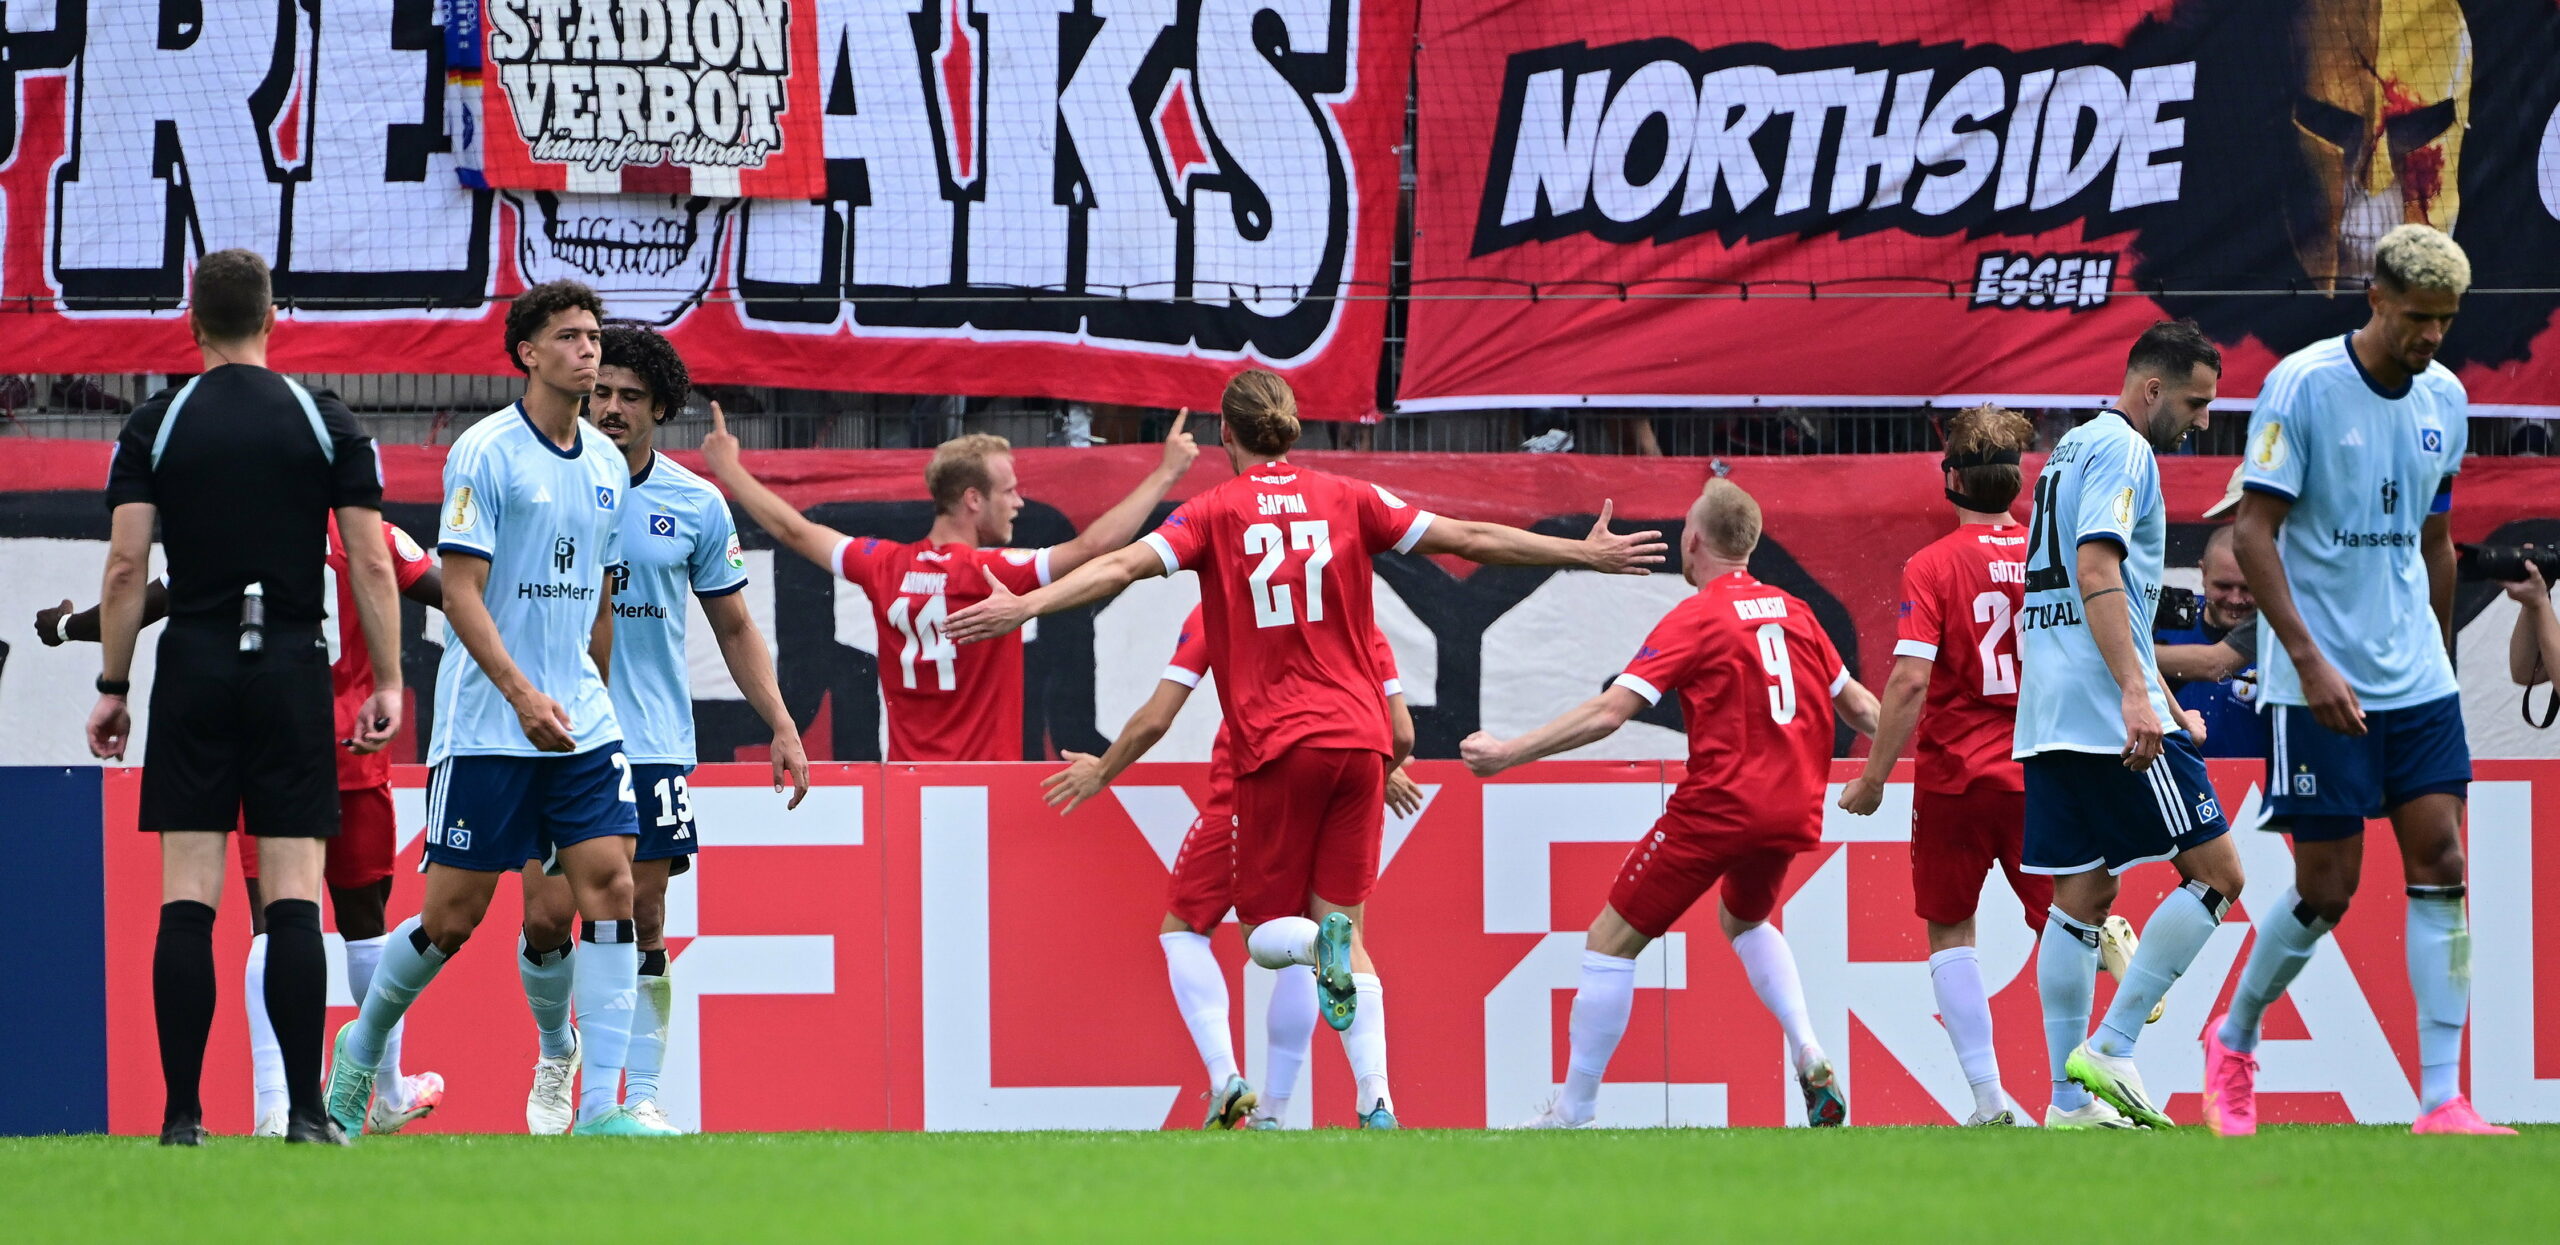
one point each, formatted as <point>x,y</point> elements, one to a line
<point>1756,676</point>
<point>1283,558</point>
<point>1960,599</point>
<point>946,701</point>
<point>350,666</point>
<point>1190,664</point>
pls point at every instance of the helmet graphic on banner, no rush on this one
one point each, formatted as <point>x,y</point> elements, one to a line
<point>651,257</point>
<point>2384,98</point>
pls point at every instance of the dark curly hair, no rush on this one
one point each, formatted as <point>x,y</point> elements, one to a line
<point>535,307</point>
<point>654,359</point>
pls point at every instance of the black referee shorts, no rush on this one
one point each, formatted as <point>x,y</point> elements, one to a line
<point>233,734</point>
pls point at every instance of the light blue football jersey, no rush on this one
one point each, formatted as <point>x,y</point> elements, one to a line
<point>549,522</point>
<point>677,540</point>
<point>2101,483</point>
<point>2364,468</point>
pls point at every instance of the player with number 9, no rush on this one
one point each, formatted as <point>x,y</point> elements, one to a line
<point>1283,558</point>
<point>1759,683</point>
<point>947,703</point>
<point>1956,650</point>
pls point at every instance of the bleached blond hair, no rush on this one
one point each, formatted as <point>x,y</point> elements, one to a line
<point>1727,519</point>
<point>2421,257</point>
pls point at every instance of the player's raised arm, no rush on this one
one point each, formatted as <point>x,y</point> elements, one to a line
<point>1003,611</point>
<point>1119,525</point>
<point>1493,544</point>
<point>789,528</point>
<point>1587,723</point>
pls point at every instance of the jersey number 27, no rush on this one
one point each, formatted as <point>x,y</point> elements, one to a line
<point>1273,604</point>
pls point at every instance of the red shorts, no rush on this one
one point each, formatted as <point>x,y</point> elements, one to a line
<point>1954,839</point>
<point>1667,870</point>
<point>368,837</point>
<point>1308,823</point>
<point>1202,887</point>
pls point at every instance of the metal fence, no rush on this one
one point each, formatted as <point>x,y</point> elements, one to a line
<point>431,410</point>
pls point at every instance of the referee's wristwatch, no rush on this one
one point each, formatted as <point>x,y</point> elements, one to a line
<point>114,687</point>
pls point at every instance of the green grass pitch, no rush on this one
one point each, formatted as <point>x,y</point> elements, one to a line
<point>1940,1184</point>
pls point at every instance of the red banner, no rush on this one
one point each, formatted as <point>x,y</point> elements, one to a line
<point>692,97</point>
<point>1011,203</point>
<point>902,928</point>
<point>1831,203</point>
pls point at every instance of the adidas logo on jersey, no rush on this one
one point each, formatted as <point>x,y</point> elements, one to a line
<point>2354,437</point>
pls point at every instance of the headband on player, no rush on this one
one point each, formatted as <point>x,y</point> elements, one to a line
<point>1979,458</point>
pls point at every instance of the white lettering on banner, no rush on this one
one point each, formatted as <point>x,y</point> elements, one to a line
<point>1577,117</point>
<point>2506,1079</point>
<point>1522,821</point>
<point>960,1092</point>
<point>1265,250</point>
<point>690,82</point>
<point>724,963</point>
<point>1018,232</point>
<point>1133,214</point>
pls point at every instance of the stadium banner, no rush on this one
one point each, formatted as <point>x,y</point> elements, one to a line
<point>1120,207</point>
<point>1494,648</point>
<point>678,97</point>
<point>1829,203</point>
<point>904,927</point>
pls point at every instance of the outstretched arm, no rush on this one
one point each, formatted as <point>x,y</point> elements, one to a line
<point>1086,774</point>
<point>788,527</point>
<point>56,624</point>
<point>1858,707</point>
<point>1589,722</point>
<point>1003,611</point>
<point>1119,525</point>
<point>1492,544</point>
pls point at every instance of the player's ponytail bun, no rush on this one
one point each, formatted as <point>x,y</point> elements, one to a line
<point>1261,413</point>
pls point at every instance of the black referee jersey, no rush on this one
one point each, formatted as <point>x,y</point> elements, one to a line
<point>245,467</point>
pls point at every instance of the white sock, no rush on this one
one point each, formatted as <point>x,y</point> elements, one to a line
<point>1365,1043</point>
<point>409,962</point>
<point>266,1054</point>
<point>363,955</point>
<point>607,984</point>
<point>2171,940</point>
<point>2285,943</point>
<point>1200,994</point>
<point>547,976</point>
<point>1289,1030</point>
<point>1955,977</point>
<point>1772,970</point>
<point>2439,949</point>
<point>2066,984</point>
<point>1600,1009</point>
<point>1281,943</point>
<point>651,1008</point>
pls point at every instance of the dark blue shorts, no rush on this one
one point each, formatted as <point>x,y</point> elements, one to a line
<point>2086,811</point>
<point>2322,785</point>
<point>491,814</point>
<point>666,814</point>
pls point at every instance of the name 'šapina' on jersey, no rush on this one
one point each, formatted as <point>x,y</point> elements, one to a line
<point>2364,467</point>
<point>2102,483</point>
<point>1287,605</point>
<point>677,542</point>
<point>549,523</point>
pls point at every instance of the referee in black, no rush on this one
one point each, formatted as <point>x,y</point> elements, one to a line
<point>240,468</point>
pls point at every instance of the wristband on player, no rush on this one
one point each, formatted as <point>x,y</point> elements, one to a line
<point>114,687</point>
<point>62,628</point>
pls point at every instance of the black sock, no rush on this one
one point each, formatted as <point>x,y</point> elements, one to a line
<point>653,962</point>
<point>297,999</point>
<point>182,1002</point>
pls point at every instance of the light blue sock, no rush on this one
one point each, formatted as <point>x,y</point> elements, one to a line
<point>409,962</point>
<point>608,980</point>
<point>649,1028</point>
<point>2439,948</point>
<point>546,977</point>
<point>2066,982</point>
<point>2286,942</point>
<point>2171,940</point>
